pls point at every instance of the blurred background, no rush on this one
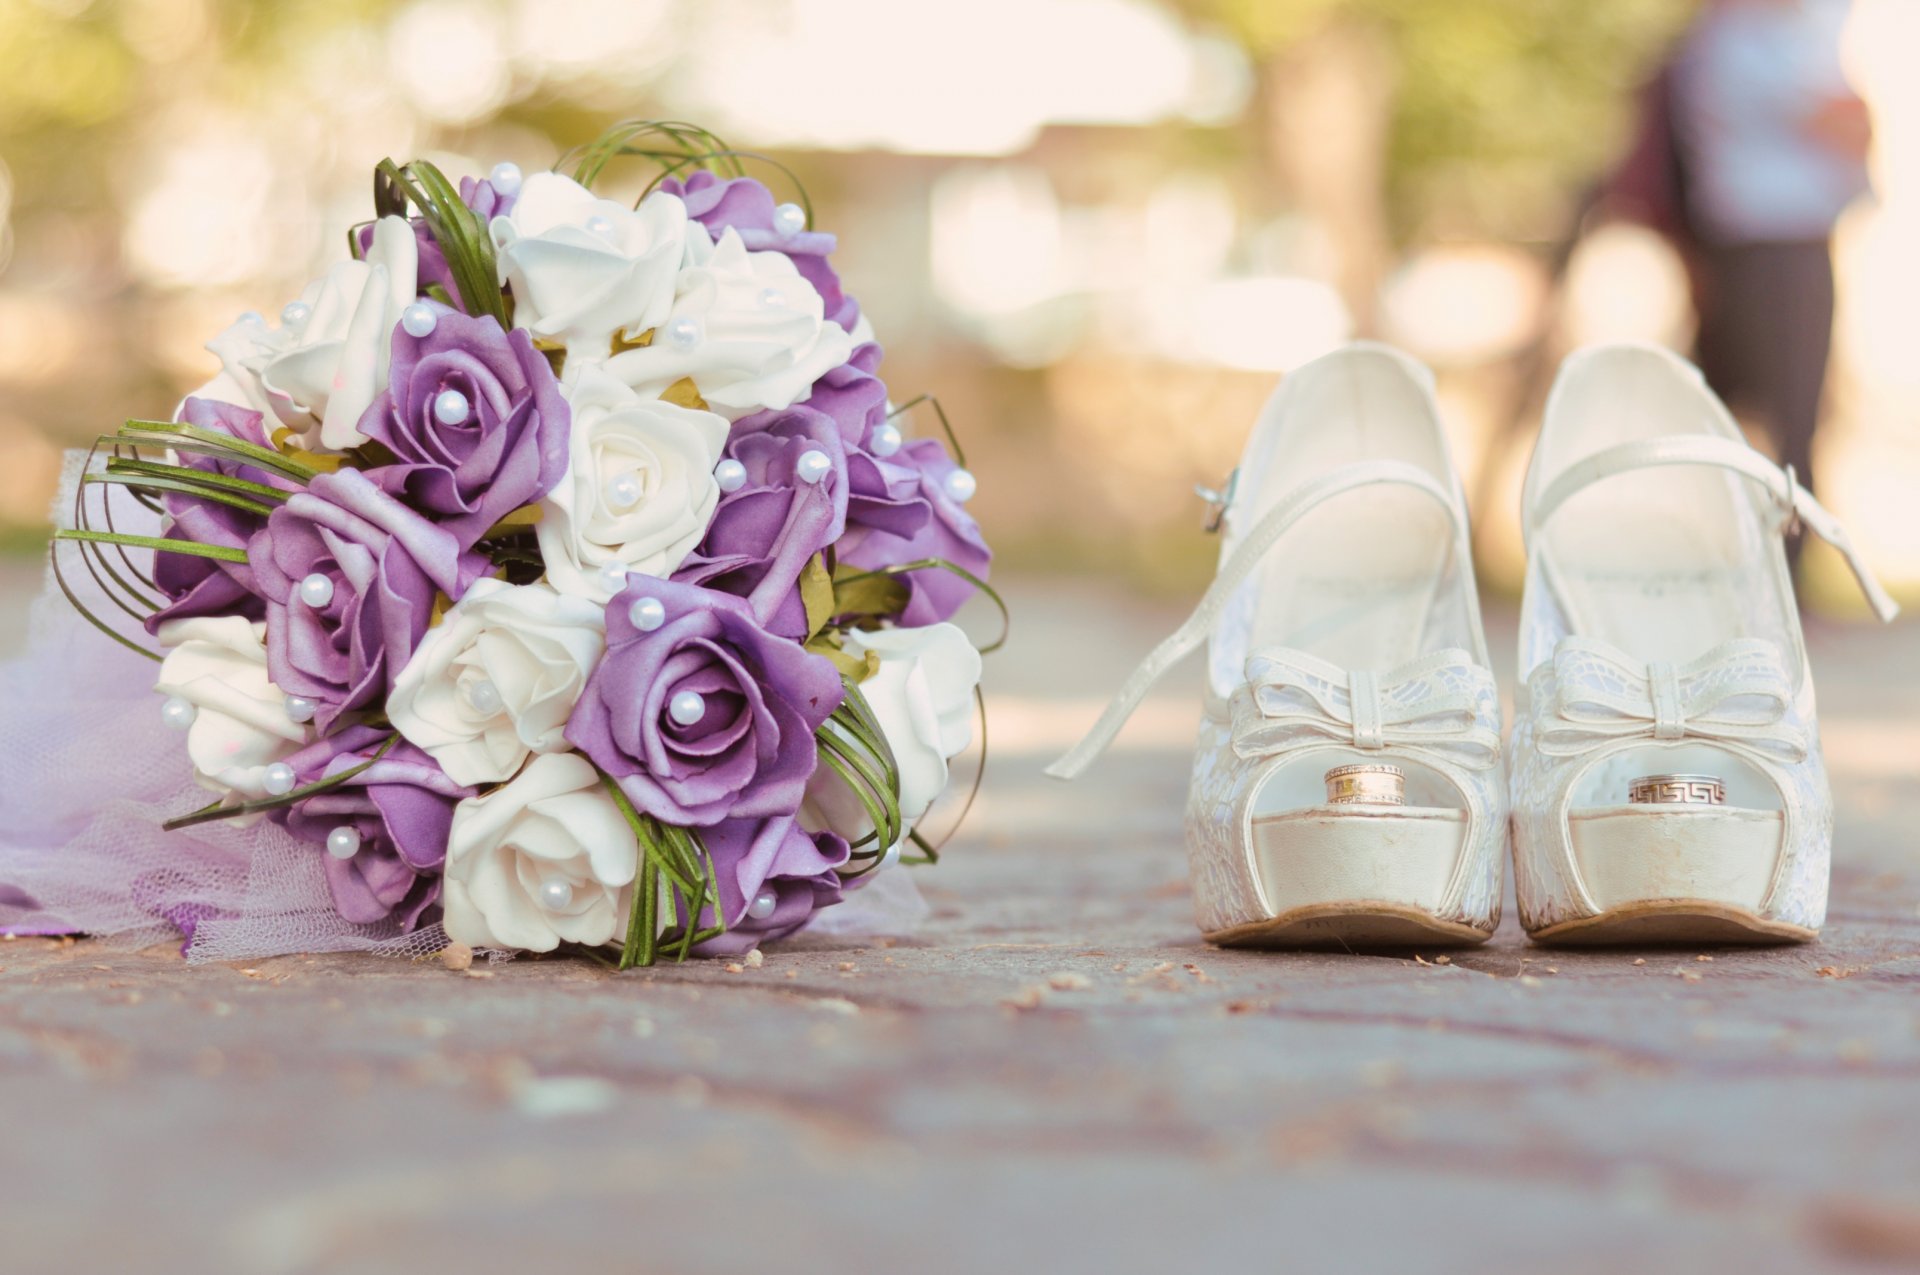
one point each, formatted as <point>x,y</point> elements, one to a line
<point>1098,229</point>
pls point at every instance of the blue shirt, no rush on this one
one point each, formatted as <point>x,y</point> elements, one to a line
<point>1750,79</point>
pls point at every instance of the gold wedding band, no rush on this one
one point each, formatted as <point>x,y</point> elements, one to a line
<point>1366,785</point>
<point>1677,790</point>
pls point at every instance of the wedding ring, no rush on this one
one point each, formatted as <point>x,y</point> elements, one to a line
<point>1677,790</point>
<point>1366,785</point>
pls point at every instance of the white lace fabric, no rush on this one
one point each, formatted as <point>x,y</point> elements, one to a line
<point>1589,703</point>
<point>1441,712</point>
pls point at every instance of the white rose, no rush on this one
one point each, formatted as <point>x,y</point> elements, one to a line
<point>583,268</point>
<point>218,664</point>
<point>639,488</point>
<point>247,346</point>
<point>922,696</point>
<point>745,326</point>
<point>497,678</point>
<point>333,362</point>
<point>545,859</point>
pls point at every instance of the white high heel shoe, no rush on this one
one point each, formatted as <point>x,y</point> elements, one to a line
<point>1667,779</point>
<point>1343,631</point>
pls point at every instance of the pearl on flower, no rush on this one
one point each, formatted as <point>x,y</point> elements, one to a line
<point>731,475</point>
<point>419,319</point>
<point>773,299</point>
<point>789,219</point>
<point>763,905</point>
<point>600,226</point>
<point>301,709</point>
<point>253,319</point>
<point>687,707</point>
<point>647,614</point>
<point>613,576</point>
<point>683,333</point>
<point>886,440</point>
<point>294,313</point>
<point>505,178</point>
<point>316,590</point>
<point>484,697</point>
<point>450,407</point>
<point>343,842</point>
<point>177,713</point>
<point>961,485</point>
<point>891,857</point>
<point>556,894</point>
<point>622,491</point>
<point>812,466</point>
<point>278,779</point>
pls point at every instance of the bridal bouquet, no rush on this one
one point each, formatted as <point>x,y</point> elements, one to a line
<point>556,568</point>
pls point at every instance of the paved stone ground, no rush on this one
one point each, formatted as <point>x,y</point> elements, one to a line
<point>1052,1074</point>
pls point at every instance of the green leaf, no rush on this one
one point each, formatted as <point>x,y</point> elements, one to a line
<point>156,543</point>
<point>816,594</point>
<point>868,594</point>
<point>678,855</point>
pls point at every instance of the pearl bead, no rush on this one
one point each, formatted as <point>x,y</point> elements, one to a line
<point>687,707</point>
<point>891,857</point>
<point>647,614</point>
<point>812,466</point>
<point>556,894</point>
<point>316,590</point>
<point>885,440</point>
<point>278,779</point>
<point>450,407</point>
<point>600,226</point>
<point>343,842</point>
<point>773,299</point>
<point>612,577</point>
<point>177,713</point>
<point>419,319</point>
<point>683,333</point>
<point>961,485</point>
<point>731,475</point>
<point>294,313</point>
<point>483,697</point>
<point>622,491</point>
<point>301,709</point>
<point>253,319</point>
<point>789,219</point>
<point>763,905</point>
<point>505,178</point>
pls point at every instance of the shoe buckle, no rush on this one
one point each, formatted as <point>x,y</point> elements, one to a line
<point>1217,502</point>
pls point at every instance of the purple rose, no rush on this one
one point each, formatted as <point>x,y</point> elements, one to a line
<point>196,586</point>
<point>747,206</point>
<point>770,857</point>
<point>763,534</point>
<point>706,716</point>
<point>401,806</point>
<point>854,396</point>
<point>506,444</point>
<point>949,533</point>
<point>349,576</point>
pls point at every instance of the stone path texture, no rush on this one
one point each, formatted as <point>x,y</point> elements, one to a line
<point>1052,1073</point>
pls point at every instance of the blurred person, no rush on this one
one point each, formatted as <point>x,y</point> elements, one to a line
<point>1770,143</point>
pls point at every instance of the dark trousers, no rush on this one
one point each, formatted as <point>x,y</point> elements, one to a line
<point>1766,329</point>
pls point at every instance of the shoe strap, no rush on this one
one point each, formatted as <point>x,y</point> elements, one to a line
<point>1234,572</point>
<point>1789,497</point>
